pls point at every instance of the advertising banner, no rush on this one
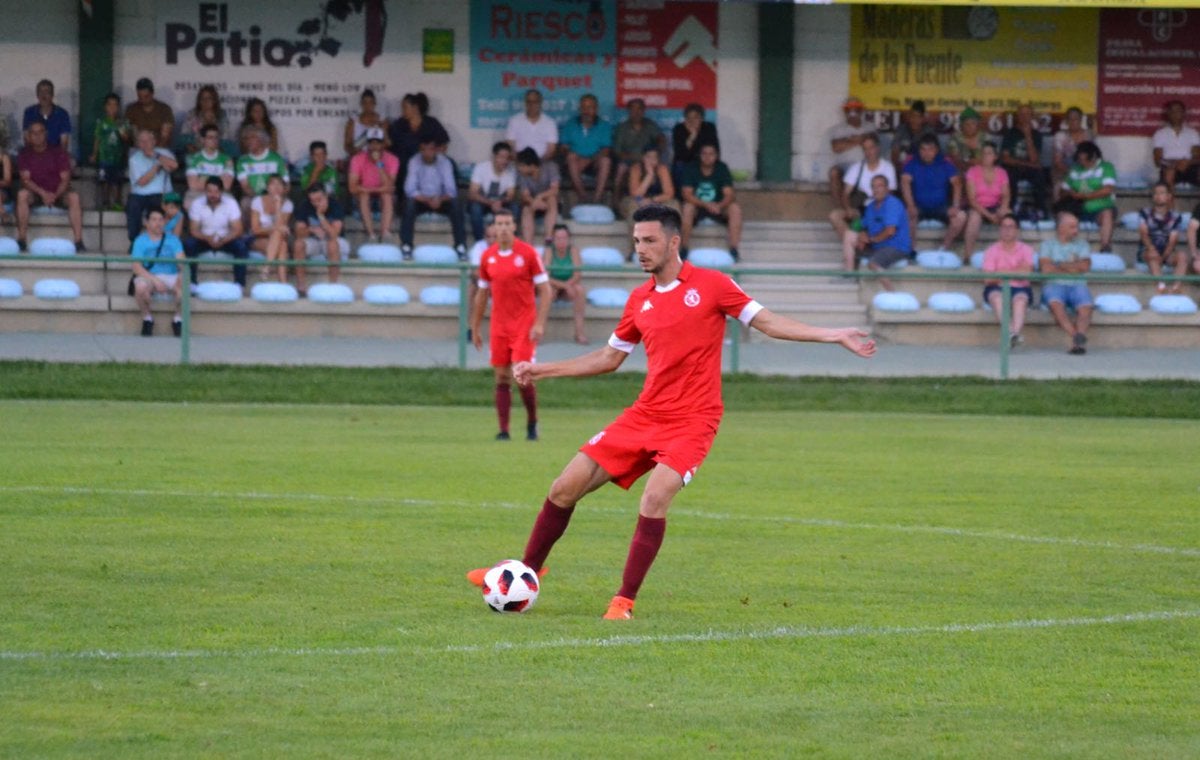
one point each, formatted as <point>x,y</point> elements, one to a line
<point>1147,57</point>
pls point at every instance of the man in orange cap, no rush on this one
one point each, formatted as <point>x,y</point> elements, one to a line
<point>846,141</point>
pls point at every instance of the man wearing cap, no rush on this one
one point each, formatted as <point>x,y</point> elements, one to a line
<point>965,146</point>
<point>846,142</point>
<point>372,182</point>
<point>151,114</point>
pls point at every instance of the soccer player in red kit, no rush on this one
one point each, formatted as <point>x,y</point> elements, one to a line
<point>679,314</point>
<point>512,272</point>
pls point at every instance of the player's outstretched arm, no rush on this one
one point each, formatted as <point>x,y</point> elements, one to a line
<point>851,338</point>
<point>603,359</point>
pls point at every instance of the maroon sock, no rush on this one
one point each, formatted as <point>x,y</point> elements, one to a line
<point>529,396</point>
<point>503,404</point>
<point>647,538</point>
<point>549,526</point>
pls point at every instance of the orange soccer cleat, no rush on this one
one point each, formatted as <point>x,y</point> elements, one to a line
<point>620,608</point>
<point>476,576</point>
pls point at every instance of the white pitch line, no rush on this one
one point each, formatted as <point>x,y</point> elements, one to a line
<point>604,642</point>
<point>994,535</point>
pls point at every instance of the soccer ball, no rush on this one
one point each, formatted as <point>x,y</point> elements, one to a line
<point>510,586</point>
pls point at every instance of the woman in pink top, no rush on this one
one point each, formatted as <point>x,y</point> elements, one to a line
<point>988,194</point>
<point>1009,254</point>
<point>373,183</point>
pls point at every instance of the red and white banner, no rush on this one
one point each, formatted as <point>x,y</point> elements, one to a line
<point>1148,56</point>
<point>668,55</point>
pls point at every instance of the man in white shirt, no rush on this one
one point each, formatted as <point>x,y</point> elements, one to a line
<point>845,140</point>
<point>493,187</point>
<point>1177,147</point>
<point>533,129</point>
<point>215,224</point>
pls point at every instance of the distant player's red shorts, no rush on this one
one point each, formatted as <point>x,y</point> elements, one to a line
<point>634,443</point>
<point>508,349</point>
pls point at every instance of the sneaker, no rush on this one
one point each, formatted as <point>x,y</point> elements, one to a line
<point>531,432</point>
<point>147,328</point>
<point>1078,344</point>
<point>619,608</point>
<point>734,253</point>
<point>22,245</point>
<point>193,288</point>
<point>1015,340</point>
<point>503,436</point>
<point>177,327</point>
<point>476,576</point>
<point>406,252</point>
<point>461,250</point>
<point>80,247</point>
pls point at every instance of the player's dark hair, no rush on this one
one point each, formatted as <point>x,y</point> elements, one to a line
<point>528,157</point>
<point>664,215</point>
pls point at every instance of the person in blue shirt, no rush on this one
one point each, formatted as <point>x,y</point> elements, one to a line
<point>884,238</point>
<point>587,140</point>
<point>153,277</point>
<point>932,189</point>
<point>55,118</point>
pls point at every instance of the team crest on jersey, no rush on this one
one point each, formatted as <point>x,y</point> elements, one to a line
<point>646,305</point>
<point>596,438</point>
<point>519,261</point>
<point>691,297</point>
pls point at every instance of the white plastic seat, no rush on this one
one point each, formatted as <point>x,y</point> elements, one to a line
<point>256,256</point>
<point>1131,220</point>
<point>896,301</point>
<point>385,294</point>
<point>931,224</point>
<point>1117,303</point>
<point>330,292</point>
<point>938,259</point>
<point>434,254</point>
<point>1172,304</point>
<point>51,247</point>
<point>215,256</point>
<point>8,246</point>
<point>314,250</point>
<point>593,213</point>
<point>439,295</point>
<point>274,292</point>
<point>1085,226</point>
<point>949,301</point>
<point>1107,262</point>
<point>608,298</point>
<point>47,211</point>
<point>56,289</point>
<point>601,256</point>
<point>1046,225</point>
<point>977,260</point>
<point>11,288</point>
<point>228,292</point>
<point>713,258</point>
<point>380,253</point>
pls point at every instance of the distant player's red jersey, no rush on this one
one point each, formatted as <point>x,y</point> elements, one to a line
<point>683,329</point>
<point>511,276</point>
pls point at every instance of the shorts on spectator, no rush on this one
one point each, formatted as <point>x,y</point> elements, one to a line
<point>1191,175</point>
<point>1073,296</point>
<point>1025,290</point>
<point>1142,251</point>
<point>169,279</point>
<point>937,214</point>
<point>702,214</point>
<point>886,256</point>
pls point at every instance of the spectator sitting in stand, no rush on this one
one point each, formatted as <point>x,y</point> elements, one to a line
<point>257,117</point>
<point>175,219</point>
<point>1021,157</point>
<point>586,141</point>
<point>633,136</point>
<point>215,224</point>
<point>430,186</point>
<point>1177,147</point>
<point>208,161</point>
<point>845,140</point>
<point>708,194</point>
<point>319,169</point>
<point>150,114</point>
<point>649,182</point>
<point>688,137</point>
<point>563,265</point>
<point>321,218</point>
<point>533,129</point>
<point>965,147</point>
<point>54,118</point>
<point>1067,253</point>
<point>152,275</point>
<point>256,165</point>
<point>1158,228</point>
<point>5,138</point>
<point>1009,254</point>
<point>149,172</point>
<point>1066,140</point>
<point>45,179</point>
<point>493,187</point>
<point>932,189</point>
<point>362,124</point>
<point>269,217</point>
<point>914,125</point>
<point>373,184</point>
<point>415,126</point>
<point>1193,227</point>
<point>1089,191</point>
<point>475,255</point>
<point>988,195</point>
<point>856,191</point>
<point>537,188</point>
<point>884,238</point>
<point>207,113</point>
<point>110,146</point>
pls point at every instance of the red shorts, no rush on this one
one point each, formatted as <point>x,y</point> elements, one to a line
<point>634,443</point>
<point>509,349</point>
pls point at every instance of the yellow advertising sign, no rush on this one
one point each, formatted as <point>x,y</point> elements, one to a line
<point>987,57</point>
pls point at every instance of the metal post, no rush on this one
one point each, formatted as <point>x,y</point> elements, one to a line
<point>463,314</point>
<point>185,310</point>
<point>1005,318</point>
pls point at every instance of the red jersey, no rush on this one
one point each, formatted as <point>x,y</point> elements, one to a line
<point>683,329</point>
<point>511,276</point>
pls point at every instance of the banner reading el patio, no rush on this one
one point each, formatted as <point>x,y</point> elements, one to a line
<point>989,58</point>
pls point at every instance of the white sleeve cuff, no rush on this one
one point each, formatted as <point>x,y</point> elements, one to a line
<point>749,312</point>
<point>623,346</point>
<point>538,279</point>
<point>483,284</point>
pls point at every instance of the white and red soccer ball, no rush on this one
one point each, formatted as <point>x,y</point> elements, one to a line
<point>510,586</point>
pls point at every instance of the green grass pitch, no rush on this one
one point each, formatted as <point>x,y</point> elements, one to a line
<point>265,580</point>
